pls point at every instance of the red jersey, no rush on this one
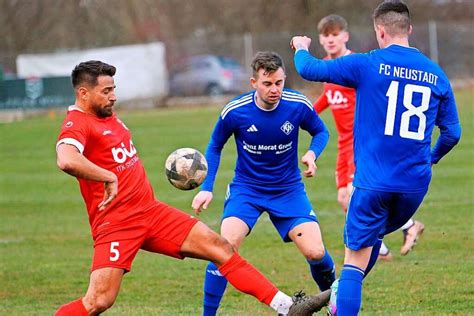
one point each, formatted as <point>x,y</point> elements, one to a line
<point>341,100</point>
<point>107,143</point>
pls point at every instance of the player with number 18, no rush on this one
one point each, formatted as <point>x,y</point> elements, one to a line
<point>400,95</point>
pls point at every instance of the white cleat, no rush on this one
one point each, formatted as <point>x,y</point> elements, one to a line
<point>410,237</point>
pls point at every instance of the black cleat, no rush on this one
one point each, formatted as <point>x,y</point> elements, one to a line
<point>307,305</point>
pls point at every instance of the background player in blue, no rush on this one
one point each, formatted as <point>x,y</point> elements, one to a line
<point>401,96</point>
<point>265,124</point>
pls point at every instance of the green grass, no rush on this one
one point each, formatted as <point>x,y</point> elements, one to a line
<point>46,248</point>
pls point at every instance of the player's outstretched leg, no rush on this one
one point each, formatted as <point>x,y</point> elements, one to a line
<point>203,243</point>
<point>214,288</point>
<point>411,235</point>
<point>103,289</point>
<point>245,278</point>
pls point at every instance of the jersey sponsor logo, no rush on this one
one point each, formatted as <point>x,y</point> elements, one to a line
<point>259,149</point>
<point>106,132</point>
<point>252,128</point>
<point>287,128</point>
<point>282,148</point>
<point>251,148</point>
<point>336,99</point>
<point>69,124</point>
<point>121,154</point>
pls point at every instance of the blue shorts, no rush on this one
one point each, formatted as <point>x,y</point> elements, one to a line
<point>373,214</point>
<point>287,207</point>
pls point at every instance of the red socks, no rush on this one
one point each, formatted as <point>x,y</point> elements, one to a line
<point>75,308</point>
<point>246,278</point>
<point>241,274</point>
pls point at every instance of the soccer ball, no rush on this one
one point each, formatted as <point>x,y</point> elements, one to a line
<point>186,168</point>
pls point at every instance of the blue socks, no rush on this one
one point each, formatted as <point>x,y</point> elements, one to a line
<point>323,271</point>
<point>349,294</point>
<point>214,288</point>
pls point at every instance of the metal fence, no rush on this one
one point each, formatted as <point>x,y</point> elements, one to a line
<point>449,43</point>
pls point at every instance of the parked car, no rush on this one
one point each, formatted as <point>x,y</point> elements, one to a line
<point>208,75</point>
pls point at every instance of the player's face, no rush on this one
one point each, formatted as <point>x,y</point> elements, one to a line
<point>269,87</point>
<point>334,42</point>
<point>102,96</point>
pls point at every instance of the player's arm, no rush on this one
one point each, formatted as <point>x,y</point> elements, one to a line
<point>316,128</point>
<point>219,137</point>
<point>344,70</point>
<point>71,161</point>
<point>449,126</point>
<point>448,138</point>
<point>321,103</point>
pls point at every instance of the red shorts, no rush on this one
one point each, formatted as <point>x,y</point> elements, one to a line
<point>345,167</point>
<point>161,229</point>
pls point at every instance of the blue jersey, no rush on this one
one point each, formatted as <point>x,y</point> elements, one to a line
<point>401,96</point>
<point>266,141</point>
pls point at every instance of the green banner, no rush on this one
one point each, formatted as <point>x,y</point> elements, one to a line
<point>35,92</point>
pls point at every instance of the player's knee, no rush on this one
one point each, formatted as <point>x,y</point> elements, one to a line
<point>235,243</point>
<point>314,254</point>
<point>103,303</point>
<point>98,303</point>
<point>223,246</point>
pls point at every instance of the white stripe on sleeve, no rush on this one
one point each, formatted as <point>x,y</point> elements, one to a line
<point>71,141</point>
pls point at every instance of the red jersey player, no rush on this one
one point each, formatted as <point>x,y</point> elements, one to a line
<point>96,147</point>
<point>333,36</point>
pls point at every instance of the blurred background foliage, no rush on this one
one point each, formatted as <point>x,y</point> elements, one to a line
<point>233,28</point>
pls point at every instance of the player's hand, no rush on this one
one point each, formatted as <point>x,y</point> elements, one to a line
<point>300,42</point>
<point>110,193</point>
<point>201,201</point>
<point>343,196</point>
<point>309,160</point>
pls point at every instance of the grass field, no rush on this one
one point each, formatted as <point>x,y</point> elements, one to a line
<point>46,248</point>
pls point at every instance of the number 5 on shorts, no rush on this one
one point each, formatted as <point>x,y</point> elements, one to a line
<point>114,253</point>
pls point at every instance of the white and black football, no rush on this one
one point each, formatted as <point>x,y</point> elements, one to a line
<point>186,168</point>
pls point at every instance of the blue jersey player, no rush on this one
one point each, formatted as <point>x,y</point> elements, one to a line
<point>265,124</point>
<point>401,96</point>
